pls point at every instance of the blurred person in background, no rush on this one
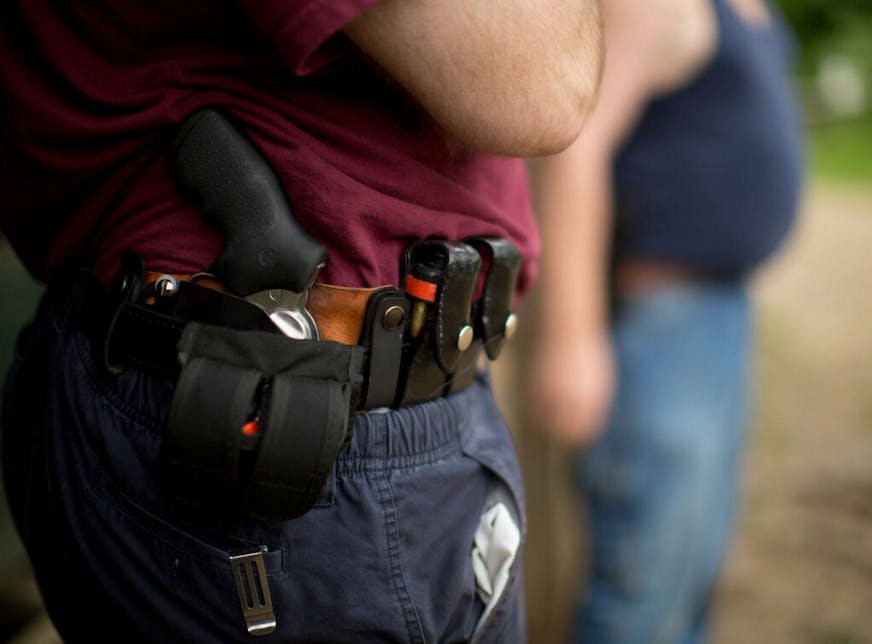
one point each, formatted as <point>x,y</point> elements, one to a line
<point>685,179</point>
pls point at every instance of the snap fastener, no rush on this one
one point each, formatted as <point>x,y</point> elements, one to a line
<point>464,338</point>
<point>511,325</point>
<point>165,285</point>
<point>393,318</point>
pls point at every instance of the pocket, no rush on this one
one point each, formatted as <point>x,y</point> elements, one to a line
<point>187,539</point>
<point>163,560</point>
<point>496,551</point>
<point>487,440</point>
<point>138,400</point>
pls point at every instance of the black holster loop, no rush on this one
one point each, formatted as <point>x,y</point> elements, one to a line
<point>434,356</point>
<point>499,288</point>
<point>460,264</point>
<point>300,392</point>
<point>454,302</point>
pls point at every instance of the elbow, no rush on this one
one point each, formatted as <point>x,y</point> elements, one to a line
<point>539,113</point>
<point>560,114</point>
<point>529,124</point>
<point>561,122</point>
<point>517,139</point>
<point>555,131</point>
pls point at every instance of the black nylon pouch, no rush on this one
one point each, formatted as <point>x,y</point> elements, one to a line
<point>300,392</point>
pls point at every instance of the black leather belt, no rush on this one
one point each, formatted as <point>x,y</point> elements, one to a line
<point>140,322</point>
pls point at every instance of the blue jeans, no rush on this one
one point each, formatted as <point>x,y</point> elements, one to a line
<point>660,483</point>
<point>383,556</point>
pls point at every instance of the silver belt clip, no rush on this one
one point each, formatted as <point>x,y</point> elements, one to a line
<point>252,588</point>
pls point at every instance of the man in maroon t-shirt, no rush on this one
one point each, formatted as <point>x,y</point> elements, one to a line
<point>384,123</point>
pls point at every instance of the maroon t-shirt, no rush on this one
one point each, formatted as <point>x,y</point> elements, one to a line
<point>93,90</point>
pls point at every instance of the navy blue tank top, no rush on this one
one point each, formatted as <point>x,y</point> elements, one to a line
<point>711,176</point>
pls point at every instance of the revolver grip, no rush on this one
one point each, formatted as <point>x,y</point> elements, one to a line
<point>238,192</point>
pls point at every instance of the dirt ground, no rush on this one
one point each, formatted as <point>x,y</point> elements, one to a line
<point>800,571</point>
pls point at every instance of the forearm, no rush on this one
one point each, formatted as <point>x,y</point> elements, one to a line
<point>571,376</point>
<point>575,223</point>
<point>516,77</point>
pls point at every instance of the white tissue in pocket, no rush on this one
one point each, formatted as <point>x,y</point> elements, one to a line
<point>497,540</point>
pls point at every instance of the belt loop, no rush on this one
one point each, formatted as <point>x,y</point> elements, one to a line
<point>124,288</point>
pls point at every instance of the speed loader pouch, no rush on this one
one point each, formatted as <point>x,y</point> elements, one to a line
<point>256,420</point>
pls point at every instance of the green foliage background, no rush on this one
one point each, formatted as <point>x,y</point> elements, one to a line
<point>840,149</point>
<point>821,24</point>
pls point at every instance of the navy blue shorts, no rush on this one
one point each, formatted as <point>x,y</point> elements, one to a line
<point>383,556</point>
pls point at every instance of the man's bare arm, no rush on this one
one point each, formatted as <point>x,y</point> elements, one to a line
<point>514,77</point>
